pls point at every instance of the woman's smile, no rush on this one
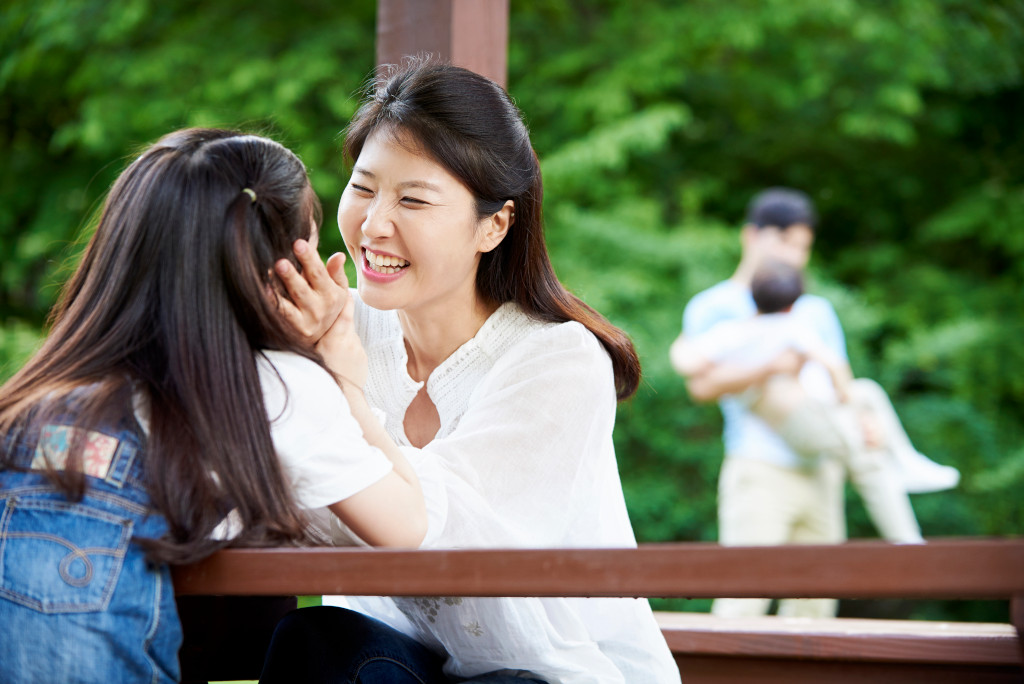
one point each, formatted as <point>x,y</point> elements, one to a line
<point>381,264</point>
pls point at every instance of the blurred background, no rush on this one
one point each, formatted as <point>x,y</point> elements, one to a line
<point>655,122</point>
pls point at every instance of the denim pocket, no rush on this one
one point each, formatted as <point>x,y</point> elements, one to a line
<point>59,557</point>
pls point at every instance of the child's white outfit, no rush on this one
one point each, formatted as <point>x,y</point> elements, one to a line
<point>320,443</point>
<point>321,447</point>
<point>822,426</point>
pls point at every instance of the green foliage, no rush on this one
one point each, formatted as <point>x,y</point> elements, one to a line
<point>86,84</point>
<point>654,122</point>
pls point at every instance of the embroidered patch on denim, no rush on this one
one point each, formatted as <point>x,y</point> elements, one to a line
<point>55,445</point>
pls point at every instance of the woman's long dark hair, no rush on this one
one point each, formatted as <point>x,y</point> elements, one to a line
<point>171,301</point>
<point>470,125</point>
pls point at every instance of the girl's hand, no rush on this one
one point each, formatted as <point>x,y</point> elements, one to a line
<point>318,294</point>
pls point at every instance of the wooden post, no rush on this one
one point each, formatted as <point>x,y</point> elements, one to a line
<point>1017,618</point>
<point>469,33</point>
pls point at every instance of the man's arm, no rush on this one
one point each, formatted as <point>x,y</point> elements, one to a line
<point>707,380</point>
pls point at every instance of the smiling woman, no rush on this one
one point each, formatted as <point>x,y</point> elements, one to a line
<point>499,385</point>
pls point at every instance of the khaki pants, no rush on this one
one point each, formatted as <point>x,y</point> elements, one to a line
<point>761,504</point>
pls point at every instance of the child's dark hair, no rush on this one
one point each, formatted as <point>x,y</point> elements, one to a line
<point>171,304</point>
<point>781,208</point>
<point>776,286</point>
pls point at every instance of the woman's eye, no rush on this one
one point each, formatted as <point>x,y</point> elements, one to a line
<point>361,189</point>
<point>412,200</point>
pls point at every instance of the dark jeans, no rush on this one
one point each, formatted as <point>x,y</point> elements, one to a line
<point>330,645</point>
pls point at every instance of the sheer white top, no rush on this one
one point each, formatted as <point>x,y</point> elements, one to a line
<point>524,458</point>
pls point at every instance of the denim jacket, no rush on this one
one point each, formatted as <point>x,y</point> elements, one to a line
<point>78,600</point>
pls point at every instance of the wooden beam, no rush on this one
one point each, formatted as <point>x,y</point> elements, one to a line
<point>469,33</point>
<point>847,639</point>
<point>946,569</point>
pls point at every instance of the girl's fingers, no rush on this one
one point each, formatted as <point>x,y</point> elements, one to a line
<point>293,281</point>
<point>336,269</point>
<point>317,294</point>
<point>312,268</point>
<point>292,315</point>
<point>288,310</point>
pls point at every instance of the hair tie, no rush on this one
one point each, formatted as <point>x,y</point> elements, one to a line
<point>251,193</point>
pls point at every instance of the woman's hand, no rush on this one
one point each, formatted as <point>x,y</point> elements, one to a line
<point>318,294</point>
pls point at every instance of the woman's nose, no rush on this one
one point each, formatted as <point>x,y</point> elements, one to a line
<point>377,222</point>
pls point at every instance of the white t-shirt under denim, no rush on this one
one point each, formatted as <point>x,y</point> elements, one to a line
<point>523,458</point>
<point>319,442</point>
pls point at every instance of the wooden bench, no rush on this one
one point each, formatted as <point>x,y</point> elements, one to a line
<point>707,648</point>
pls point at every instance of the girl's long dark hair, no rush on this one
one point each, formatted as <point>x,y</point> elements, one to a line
<point>470,125</point>
<point>172,300</point>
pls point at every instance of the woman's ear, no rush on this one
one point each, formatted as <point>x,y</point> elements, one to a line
<point>496,226</point>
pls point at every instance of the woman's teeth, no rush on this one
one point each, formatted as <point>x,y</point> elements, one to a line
<point>384,264</point>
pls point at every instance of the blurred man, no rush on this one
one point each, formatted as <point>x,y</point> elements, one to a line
<point>767,494</point>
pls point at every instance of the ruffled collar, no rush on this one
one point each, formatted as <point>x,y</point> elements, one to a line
<point>451,385</point>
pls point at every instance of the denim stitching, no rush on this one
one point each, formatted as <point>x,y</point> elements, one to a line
<point>118,553</point>
<point>91,494</point>
<point>81,508</point>
<point>121,465</point>
<point>75,552</point>
<point>4,519</point>
<point>147,642</point>
<point>75,549</point>
<point>64,569</point>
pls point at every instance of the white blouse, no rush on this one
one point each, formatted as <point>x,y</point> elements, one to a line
<point>524,458</point>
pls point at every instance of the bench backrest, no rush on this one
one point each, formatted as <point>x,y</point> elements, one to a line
<point>942,569</point>
<point>707,649</point>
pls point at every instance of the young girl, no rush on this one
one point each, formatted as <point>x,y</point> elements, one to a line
<point>163,417</point>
